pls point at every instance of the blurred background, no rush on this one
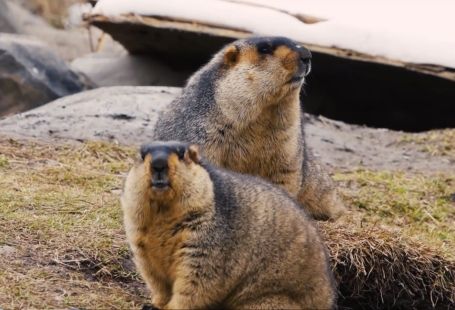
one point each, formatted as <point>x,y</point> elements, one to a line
<point>376,63</point>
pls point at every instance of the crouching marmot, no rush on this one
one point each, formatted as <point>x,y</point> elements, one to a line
<point>209,238</point>
<point>243,108</point>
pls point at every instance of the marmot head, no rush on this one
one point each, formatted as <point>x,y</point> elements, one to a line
<point>288,62</point>
<point>260,71</point>
<point>171,168</point>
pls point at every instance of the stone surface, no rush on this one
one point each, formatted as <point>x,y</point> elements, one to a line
<point>7,251</point>
<point>5,18</point>
<point>68,43</point>
<point>31,74</point>
<point>125,114</point>
<point>343,85</point>
<point>128,70</point>
<point>128,115</point>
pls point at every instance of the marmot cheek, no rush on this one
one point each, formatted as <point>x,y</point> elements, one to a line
<point>291,62</point>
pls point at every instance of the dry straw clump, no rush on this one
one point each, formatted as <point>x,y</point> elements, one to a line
<point>376,268</point>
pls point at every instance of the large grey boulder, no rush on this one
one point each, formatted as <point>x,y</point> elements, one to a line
<point>67,43</point>
<point>5,18</point>
<point>124,114</point>
<point>107,69</point>
<point>31,74</point>
<point>127,115</point>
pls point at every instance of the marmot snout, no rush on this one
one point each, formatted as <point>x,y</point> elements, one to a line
<point>163,160</point>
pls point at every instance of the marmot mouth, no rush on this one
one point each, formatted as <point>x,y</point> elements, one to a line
<point>160,184</point>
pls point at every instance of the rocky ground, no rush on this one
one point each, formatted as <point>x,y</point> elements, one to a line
<point>126,115</point>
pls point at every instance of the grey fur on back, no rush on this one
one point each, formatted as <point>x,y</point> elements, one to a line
<point>185,118</point>
<point>254,242</point>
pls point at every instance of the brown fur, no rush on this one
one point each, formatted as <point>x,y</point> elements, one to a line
<point>217,239</point>
<point>250,120</point>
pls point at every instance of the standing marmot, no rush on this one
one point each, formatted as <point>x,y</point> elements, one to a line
<point>243,108</point>
<point>209,238</point>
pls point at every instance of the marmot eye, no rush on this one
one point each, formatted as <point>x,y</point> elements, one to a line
<point>264,48</point>
<point>181,152</point>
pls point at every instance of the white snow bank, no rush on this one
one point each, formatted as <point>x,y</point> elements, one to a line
<point>407,30</point>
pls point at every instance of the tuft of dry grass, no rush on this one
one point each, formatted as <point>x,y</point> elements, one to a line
<point>62,243</point>
<point>397,247</point>
<point>377,268</point>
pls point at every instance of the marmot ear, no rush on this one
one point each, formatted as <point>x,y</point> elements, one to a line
<point>231,55</point>
<point>144,150</point>
<point>192,154</point>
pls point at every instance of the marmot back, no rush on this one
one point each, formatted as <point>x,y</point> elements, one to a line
<point>209,238</point>
<point>243,108</point>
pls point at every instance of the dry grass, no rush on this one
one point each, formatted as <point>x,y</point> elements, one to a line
<point>60,213</point>
<point>378,268</point>
<point>398,247</point>
<point>62,242</point>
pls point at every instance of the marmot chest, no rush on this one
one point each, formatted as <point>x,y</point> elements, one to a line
<point>158,242</point>
<point>260,149</point>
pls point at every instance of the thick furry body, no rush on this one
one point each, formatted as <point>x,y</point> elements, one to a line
<point>224,240</point>
<point>244,109</point>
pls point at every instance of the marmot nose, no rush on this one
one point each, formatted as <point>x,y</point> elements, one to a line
<point>159,164</point>
<point>305,59</point>
<point>305,53</point>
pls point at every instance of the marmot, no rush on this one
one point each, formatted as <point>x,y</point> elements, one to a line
<point>243,109</point>
<point>204,237</point>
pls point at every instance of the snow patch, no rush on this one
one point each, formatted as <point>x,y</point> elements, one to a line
<point>415,31</point>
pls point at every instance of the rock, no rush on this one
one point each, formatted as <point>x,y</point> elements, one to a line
<point>128,70</point>
<point>124,114</point>
<point>76,13</point>
<point>32,75</point>
<point>68,44</point>
<point>5,18</point>
<point>127,115</point>
<point>357,88</point>
<point>7,251</point>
